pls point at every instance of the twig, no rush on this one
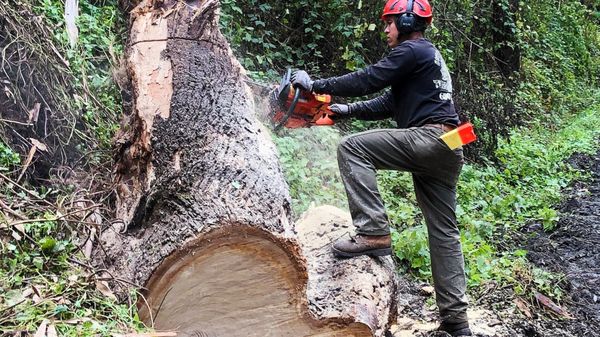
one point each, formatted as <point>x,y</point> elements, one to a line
<point>96,271</point>
<point>9,210</point>
<point>60,217</point>
<point>15,122</point>
<point>149,309</point>
<point>12,306</point>
<point>33,194</point>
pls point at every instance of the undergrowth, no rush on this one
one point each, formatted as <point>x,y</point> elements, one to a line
<point>494,199</point>
<point>91,61</point>
<point>46,282</point>
<point>308,158</point>
<point>44,276</point>
<point>497,199</point>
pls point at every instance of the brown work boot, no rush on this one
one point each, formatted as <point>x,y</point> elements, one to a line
<point>374,245</point>
<point>456,329</point>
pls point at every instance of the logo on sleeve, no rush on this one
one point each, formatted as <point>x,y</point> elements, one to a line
<point>444,84</point>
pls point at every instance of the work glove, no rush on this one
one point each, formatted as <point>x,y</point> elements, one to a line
<point>300,79</point>
<point>340,111</point>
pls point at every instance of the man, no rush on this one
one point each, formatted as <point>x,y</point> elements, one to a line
<point>420,101</point>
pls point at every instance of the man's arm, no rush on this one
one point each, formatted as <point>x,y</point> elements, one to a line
<point>392,68</point>
<point>375,109</point>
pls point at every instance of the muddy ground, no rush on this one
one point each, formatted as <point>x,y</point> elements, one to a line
<point>572,249</point>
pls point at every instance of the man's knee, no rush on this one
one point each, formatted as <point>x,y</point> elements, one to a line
<point>346,146</point>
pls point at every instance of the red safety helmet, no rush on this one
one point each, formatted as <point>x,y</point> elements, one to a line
<point>420,8</point>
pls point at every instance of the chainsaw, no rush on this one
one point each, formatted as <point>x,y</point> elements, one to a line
<point>297,108</point>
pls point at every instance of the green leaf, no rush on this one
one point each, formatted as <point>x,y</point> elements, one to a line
<point>47,244</point>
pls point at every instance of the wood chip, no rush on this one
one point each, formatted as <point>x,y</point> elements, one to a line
<point>51,332</point>
<point>17,236</point>
<point>427,290</point>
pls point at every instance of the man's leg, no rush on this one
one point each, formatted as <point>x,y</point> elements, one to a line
<point>436,195</point>
<point>437,201</point>
<point>359,156</point>
<point>435,171</point>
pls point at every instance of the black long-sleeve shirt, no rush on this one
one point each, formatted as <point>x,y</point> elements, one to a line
<point>421,87</point>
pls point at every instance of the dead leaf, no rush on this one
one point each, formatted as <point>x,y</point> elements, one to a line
<point>63,300</point>
<point>73,279</point>
<point>41,330</point>
<point>34,113</point>
<point>102,286</point>
<point>27,292</point>
<point>51,332</point>
<point>38,144</point>
<point>552,306</point>
<point>20,227</point>
<point>27,162</point>
<point>523,307</point>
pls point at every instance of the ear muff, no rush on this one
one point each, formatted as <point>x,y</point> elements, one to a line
<point>405,23</point>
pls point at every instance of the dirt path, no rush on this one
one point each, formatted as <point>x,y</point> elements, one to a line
<point>572,249</point>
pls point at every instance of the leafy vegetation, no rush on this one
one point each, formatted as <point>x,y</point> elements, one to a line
<point>92,60</point>
<point>495,200</point>
<point>506,56</point>
<point>44,276</point>
<point>8,157</point>
<point>41,279</point>
<point>308,157</point>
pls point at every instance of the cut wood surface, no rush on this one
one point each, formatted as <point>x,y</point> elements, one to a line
<point>206,229</point>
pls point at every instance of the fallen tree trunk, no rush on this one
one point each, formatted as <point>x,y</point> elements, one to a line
<point>206,211</point>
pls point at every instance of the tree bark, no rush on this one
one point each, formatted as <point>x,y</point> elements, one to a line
<point>206,211</point>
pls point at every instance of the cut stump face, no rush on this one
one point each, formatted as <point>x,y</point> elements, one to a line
<point>234,285</point>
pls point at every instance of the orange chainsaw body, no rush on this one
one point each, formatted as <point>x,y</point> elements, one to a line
<point>296,108</point>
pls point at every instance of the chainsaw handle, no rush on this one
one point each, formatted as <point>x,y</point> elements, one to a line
<point>325,120</point>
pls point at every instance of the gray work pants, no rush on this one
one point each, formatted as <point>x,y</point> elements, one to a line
<point>435,170</point>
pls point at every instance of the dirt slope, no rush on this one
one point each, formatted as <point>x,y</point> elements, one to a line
<point>573,249</point>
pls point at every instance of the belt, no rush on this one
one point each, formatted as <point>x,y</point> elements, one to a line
<point>444,127</point>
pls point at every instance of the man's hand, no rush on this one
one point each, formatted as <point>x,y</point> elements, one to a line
<point>340,111</point>
<point>301,79</point>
